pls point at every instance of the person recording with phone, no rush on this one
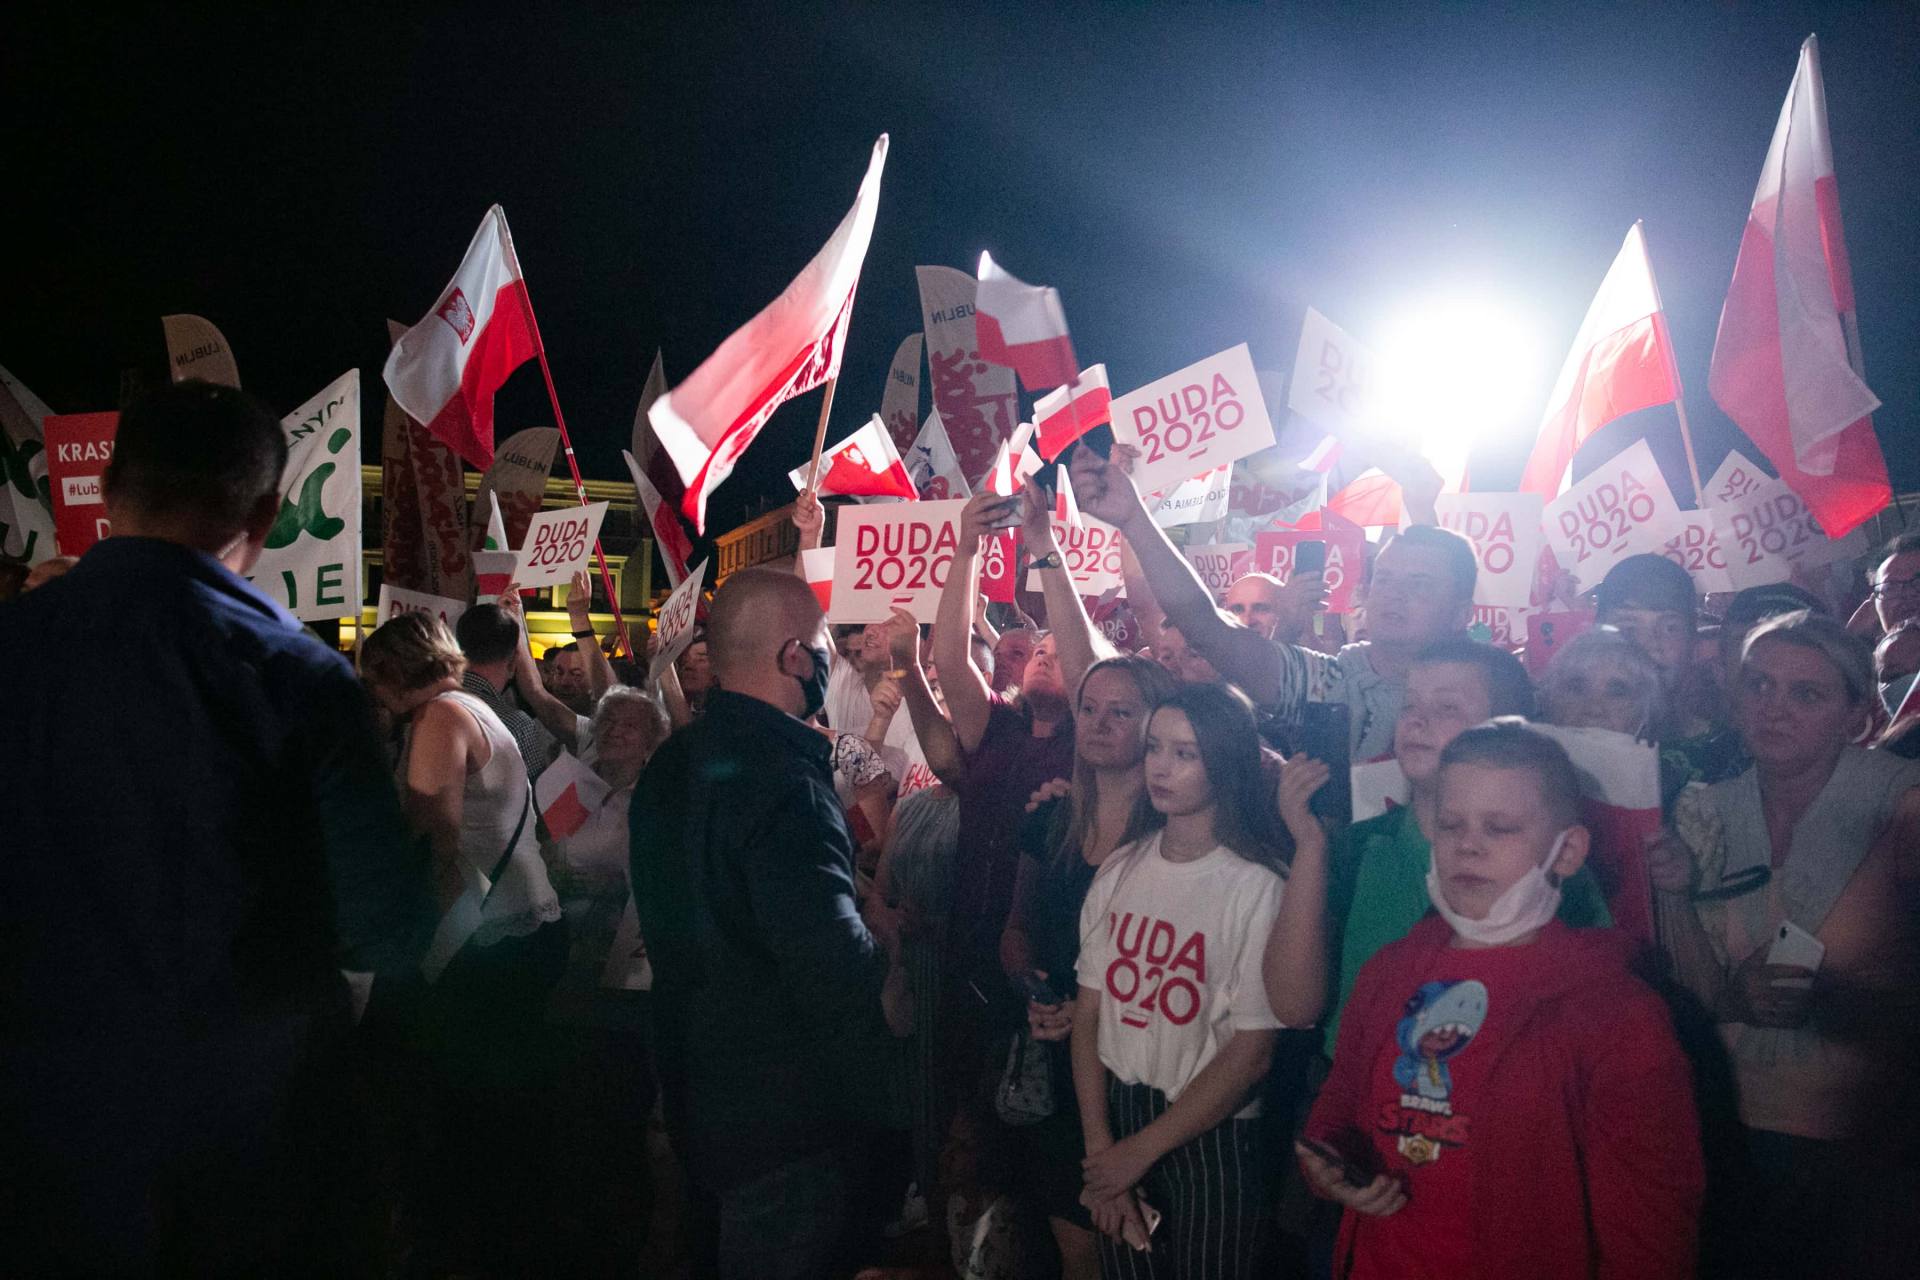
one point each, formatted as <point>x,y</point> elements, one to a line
<point>1506,1098</point>
<point>1789,904</point>
<point>1421,591</point>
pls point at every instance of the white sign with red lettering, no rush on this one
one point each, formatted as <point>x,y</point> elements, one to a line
<point>1624,508</point>
<point>1506,628</point>
<point>1701,551</point>
<point>1770,533</point>
<point>1207,415</point>
<point>675,623</point>
<point>1273,553</point>
<point>1736,477</point>
<point>1220,564</point>
<point>397,600</point>
<point>894,556</point>
<point>1195,501</point>
<point>1091,556</point>
<point>1334,380</point>
<point>558,545</point>
<point>1504,529</point>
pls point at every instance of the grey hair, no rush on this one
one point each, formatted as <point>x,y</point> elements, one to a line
<point>621,695</point>
<point>1847,652</point>
<point>1610,642</point>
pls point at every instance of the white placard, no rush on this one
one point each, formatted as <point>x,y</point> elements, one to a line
<point>395,600</point>
<point>1091,556</point>
<point>1207,415</point>
<point>1736,477</point>
<point>558,545</point>
<point>1624,508</point>
<point>1768,533</point>
<point>1195,501</point>
<point>311,562</point>
<point>1504,529</point>
<point>677,615</point>
<point>891,557</point>
<point>1335,379</point>
<point>1378,785</point>
<point>1701,551</point>
<point>1220,564</point>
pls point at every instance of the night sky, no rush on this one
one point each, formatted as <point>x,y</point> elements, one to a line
<point>1189,177</point>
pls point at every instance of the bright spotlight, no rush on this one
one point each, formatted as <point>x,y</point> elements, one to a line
<point>1453,367</point>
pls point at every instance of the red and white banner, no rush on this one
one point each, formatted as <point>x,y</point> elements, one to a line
<point>1786,361</point>
<point>674,626</point>
<point>791,347</point>
<point>1091,555</point>
<point>1621,361</point>
<point>1371,500</point>
<point>196,349</point>
<point>892,555</point>
<point>1701,551</point>
<point>976,399</point>
<point>568,793</point>
<point>669,535</point>
<point>1023,327</point>
<point>397,600</point>
<point>1346,557</point>
<point>1013,463</point>
<point>900,402</point>
<point>864,465</point>
<point>1504,529</point>
<point>79,446</point>
<point>933,464</point>
<point>1205,416</point>
<point>1220,564</point>
<point>1202,499</point>
<point>559,544</point>
<point>1623,508</point>
<point>445,369</point>
<point>816,566</point>
<point>424,542</point>
<point>1620,794</point>
<point>1336,382</point>
<point>1068,412</point>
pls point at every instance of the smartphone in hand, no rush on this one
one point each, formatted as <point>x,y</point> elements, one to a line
<point>1310,557</point>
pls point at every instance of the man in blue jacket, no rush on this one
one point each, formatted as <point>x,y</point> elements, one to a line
<point>200,835</point>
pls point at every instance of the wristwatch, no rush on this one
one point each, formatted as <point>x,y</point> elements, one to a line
<point>588,634</point>
<point>1051,560</point>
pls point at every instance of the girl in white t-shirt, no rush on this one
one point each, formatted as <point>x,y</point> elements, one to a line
<point>1172,1030</point>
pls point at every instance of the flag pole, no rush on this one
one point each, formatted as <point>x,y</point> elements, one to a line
<point>1673,367</point>
<point>820,433</point>
<point>566,441</point>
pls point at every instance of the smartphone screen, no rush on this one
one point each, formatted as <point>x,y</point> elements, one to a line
<point>1325,734</point>
<point>1310,557</point>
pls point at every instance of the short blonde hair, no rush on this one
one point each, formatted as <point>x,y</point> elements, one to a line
<point>410,651</point>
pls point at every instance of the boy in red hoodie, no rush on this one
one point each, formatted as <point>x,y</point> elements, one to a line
<point>1507,1099</point>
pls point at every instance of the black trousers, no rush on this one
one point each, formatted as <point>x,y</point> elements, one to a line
<point>1212,1194</point>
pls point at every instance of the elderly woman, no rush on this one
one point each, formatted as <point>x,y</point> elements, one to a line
<point>499,946</point>
<point>1603,680</point>
<point>1790,906</point>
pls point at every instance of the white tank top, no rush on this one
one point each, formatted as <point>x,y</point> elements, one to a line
<point>496,796</point>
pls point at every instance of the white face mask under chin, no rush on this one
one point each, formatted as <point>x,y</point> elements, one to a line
<point>1526,905</point>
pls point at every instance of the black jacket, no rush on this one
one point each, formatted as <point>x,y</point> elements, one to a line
<point>766,997</point>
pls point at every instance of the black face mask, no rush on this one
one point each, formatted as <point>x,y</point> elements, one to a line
<point>813,689</point>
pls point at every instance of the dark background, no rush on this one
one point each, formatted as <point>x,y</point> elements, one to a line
<point>1189,177</point>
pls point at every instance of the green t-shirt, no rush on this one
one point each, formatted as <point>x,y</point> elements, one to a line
<point>1378,892</point>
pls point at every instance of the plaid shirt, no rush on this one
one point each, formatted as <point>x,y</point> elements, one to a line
<point>537,746</point>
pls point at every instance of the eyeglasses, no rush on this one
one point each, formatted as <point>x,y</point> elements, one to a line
<point>1897,588</point>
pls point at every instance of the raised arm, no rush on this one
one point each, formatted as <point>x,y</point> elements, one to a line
<point>580,622</point>
<point>810,520</point>
<point>938,742</point>
<point>969,698</point>
<point>1075,640</point>
<point>1295,963</point>
<point>554,714</point>
<point>1272,675</point>
<point>1146,608</point>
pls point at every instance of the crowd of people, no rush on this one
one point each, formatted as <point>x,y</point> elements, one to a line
<point>963,949</point>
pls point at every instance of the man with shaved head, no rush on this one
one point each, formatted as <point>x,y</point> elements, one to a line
<point>766,996</point>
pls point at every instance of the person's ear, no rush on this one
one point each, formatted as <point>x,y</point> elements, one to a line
<point>795,659</point>
<point>1573,853</point>
<point>1463,614</point>
<point>261,519</point>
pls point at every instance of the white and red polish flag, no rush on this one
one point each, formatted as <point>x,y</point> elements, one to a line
<point>1786,362</point>
<point>1066,508</point>
<point>1014,462</point>
<point>1068,412</point>
<point>792,346</point>
<point>1022,326</point>
<point>496,560</point>
<point>934,465</point>
<point>444,370</point>
<point>864,465</point>
<point>569,793</point>
<point>676,549</point>
<point>1621,361</point>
